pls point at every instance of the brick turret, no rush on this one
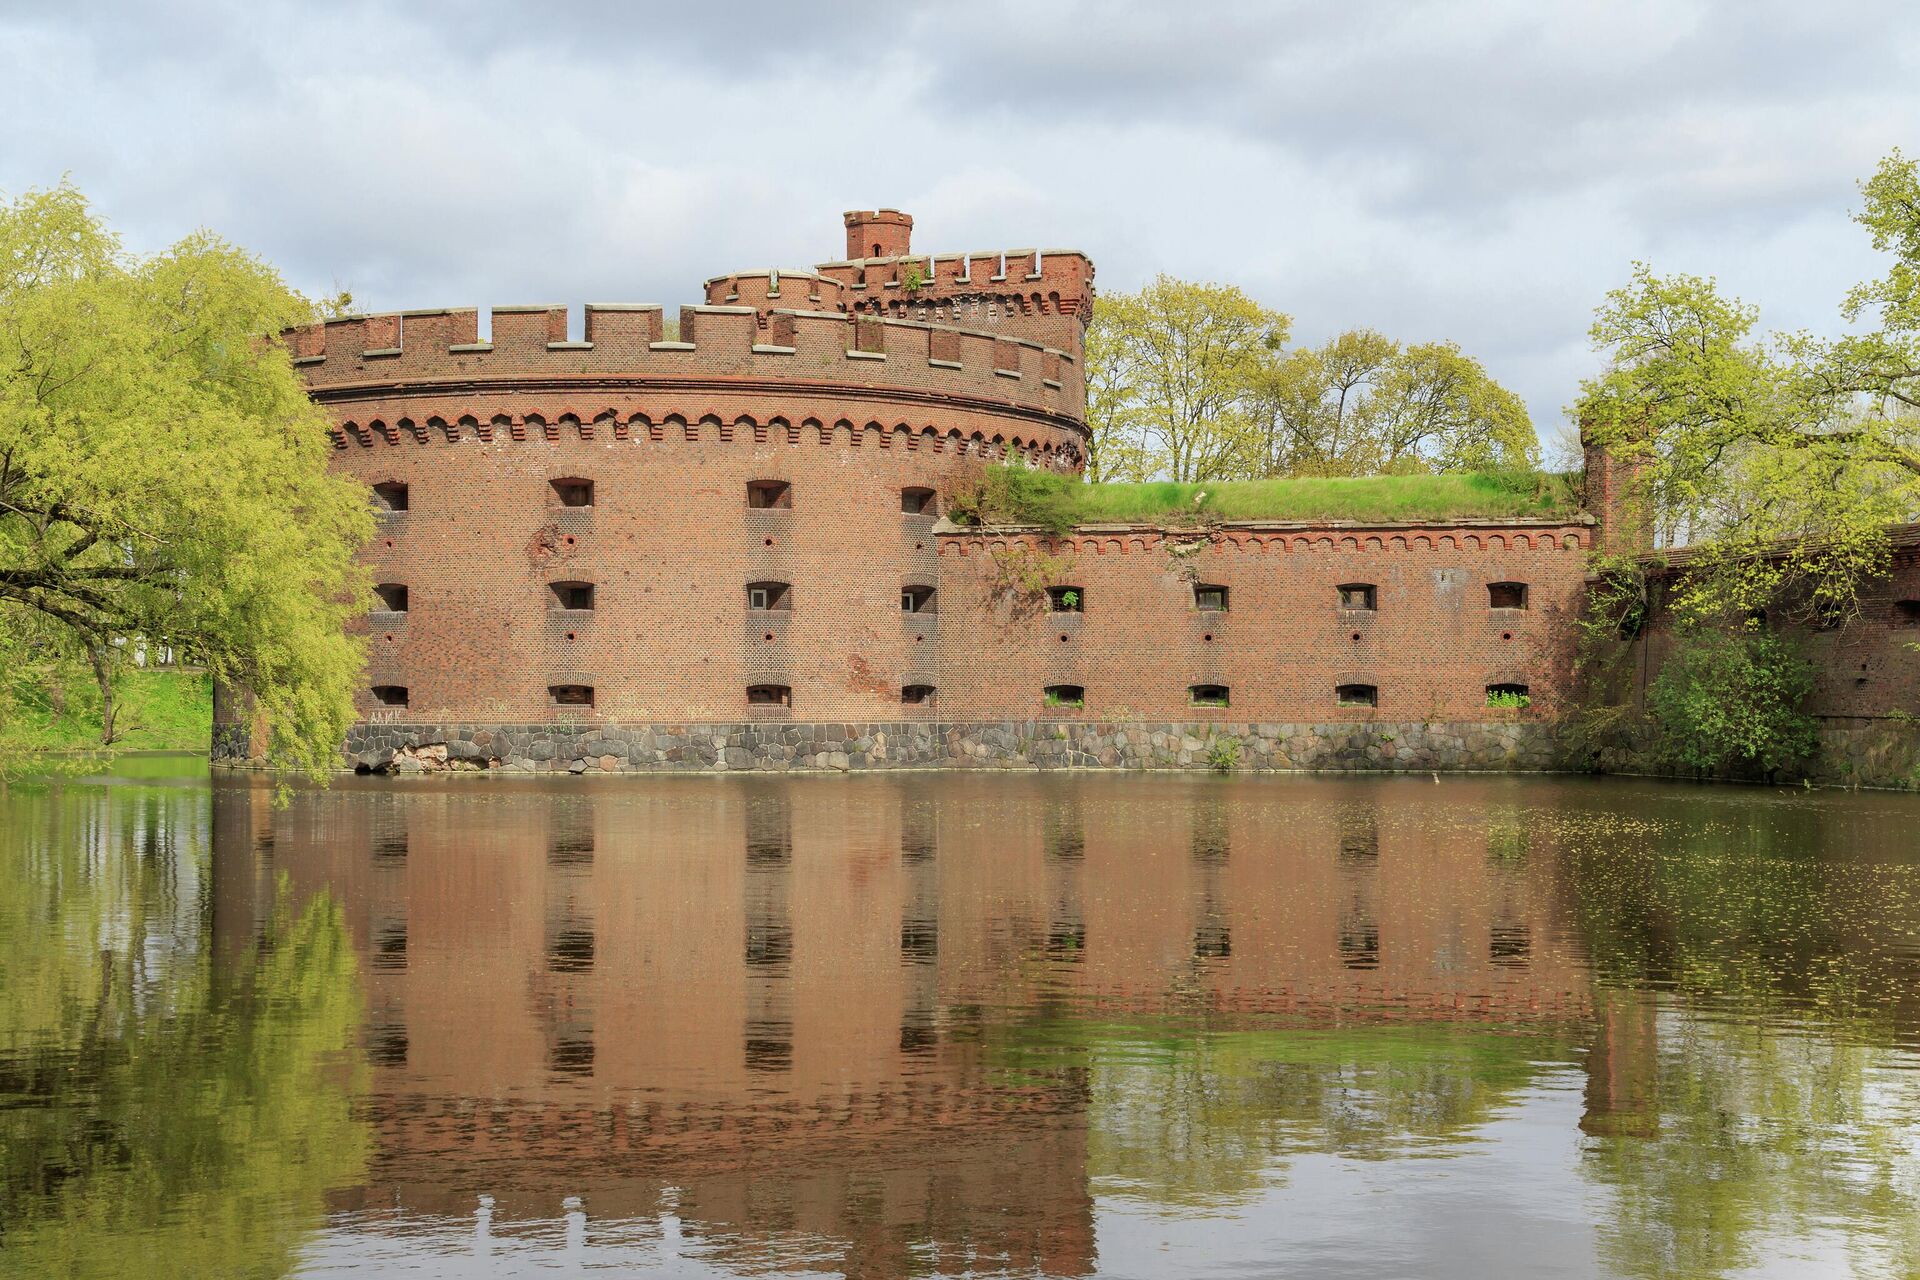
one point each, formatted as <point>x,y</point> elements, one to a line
<point>882,233</point>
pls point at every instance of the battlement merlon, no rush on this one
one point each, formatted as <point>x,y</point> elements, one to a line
<point>376,354</point>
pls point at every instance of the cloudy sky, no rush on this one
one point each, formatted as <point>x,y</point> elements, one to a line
<point>1481,170</point>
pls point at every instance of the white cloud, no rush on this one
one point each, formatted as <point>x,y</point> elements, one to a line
<point>1482,171</point>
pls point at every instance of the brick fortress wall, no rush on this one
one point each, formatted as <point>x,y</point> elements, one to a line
<point>850,383</point>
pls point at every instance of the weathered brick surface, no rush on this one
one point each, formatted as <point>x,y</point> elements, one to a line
<point>981,356</point>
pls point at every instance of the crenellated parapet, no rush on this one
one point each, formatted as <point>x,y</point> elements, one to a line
<point>718,346</point>
<point>1043,294</point>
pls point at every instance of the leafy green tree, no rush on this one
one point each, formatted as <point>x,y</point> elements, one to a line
<point>163,473</point>
<point>1363,405</point>
<point>1731,700</point>
<point>1171,372</point>
<point>1782,459</point>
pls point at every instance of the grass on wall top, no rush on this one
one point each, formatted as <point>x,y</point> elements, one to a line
<point>1017,495</point>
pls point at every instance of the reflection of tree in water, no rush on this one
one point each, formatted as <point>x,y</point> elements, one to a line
<point>161,1113</point>
<point>1754,1139</point>
<point>1178,1118</point>
<point>1728,1137</point>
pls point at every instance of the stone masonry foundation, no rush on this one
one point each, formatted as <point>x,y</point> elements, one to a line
<point>773,746</point>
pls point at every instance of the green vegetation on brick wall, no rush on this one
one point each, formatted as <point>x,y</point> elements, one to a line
<point>1015,494</point>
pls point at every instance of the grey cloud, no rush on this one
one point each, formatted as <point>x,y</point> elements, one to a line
<point>1480,170</point>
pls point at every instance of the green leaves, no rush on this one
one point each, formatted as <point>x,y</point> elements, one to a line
<point>162,472</point>
<point>1193,382</point>
<point>1781,460</point>
<point>1729,701</point>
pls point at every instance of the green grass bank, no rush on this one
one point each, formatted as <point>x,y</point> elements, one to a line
<point>1019,495</point>
<point>158,711</point>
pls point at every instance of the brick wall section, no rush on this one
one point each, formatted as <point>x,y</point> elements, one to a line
<point>1431,647</point>
<point>981,359</point>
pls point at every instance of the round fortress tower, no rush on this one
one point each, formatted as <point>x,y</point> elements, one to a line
<point>716,526</point>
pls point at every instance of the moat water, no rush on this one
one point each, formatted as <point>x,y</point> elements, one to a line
<point>920,1025</point>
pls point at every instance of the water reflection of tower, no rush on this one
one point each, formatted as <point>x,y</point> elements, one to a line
<point>1208,849</point>
<point>569,936</point>
<point>1359,854</point>
<point>387,1040</point>
<point>769,933</point>
<point>920,929</point>
<point>1064,852</point>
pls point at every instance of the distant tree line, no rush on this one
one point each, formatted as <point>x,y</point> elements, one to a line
<point>1194,382</point>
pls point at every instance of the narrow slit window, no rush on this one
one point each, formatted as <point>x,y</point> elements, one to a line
<point>393,597</point>
<point>1207,695</point>
<point>1066,695</point>
<point>1359,596</point>
<point>916,599</point>
<point>1506,595</point>
<point>571,695</point>
<point>573,595</point>
<point>916,694</point>
<point>390,495</point>
<point>769,495</point>
<point>916,502</point>
<point>1507,695</point>
<point>769,695</point>
<point>1066,600</point>
<point>763,596</point>
<point>573,493</point>
<point>390,695</point>
<point>1356,695</point>
<point>1209,598</point>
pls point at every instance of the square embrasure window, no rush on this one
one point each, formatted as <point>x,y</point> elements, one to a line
<point>916,693</point>
<point>1356,695</point>
<point>1210,598</point>
<point>916,599</point>
<point>769,695</point>
<point>573,492</point>
<point>573,595</point>
<point>1358,595</point>
<point>1065,695</point>
<point>390,695</point>
<point>916,502</point>
<point>390,495</point>
<point>571,695</point>
<point>1066,600</point>
<point>1207,695</point>
<point>769,595</point>
<point>1506,595</point>
<point>769,495</point>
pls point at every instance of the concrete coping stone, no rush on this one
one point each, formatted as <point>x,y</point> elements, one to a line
<point>532,306</point>
<point>708,310</point>
<point>769,349</point>
<point>945,364</point>
<point>671,346</point>
<point>865,355</point>
<point>309,359</point>
<point>1051,382</point>
<point>765,273</point>
<point>1007,373</point>
<point>372,352</point>
<point>468,347</point>
<point>569,346</point>
<point>624,306</point>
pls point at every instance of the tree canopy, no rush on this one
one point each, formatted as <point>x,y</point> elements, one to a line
<point>1195,382</point>
<point>163,473</point>
<point>1782,458</point>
